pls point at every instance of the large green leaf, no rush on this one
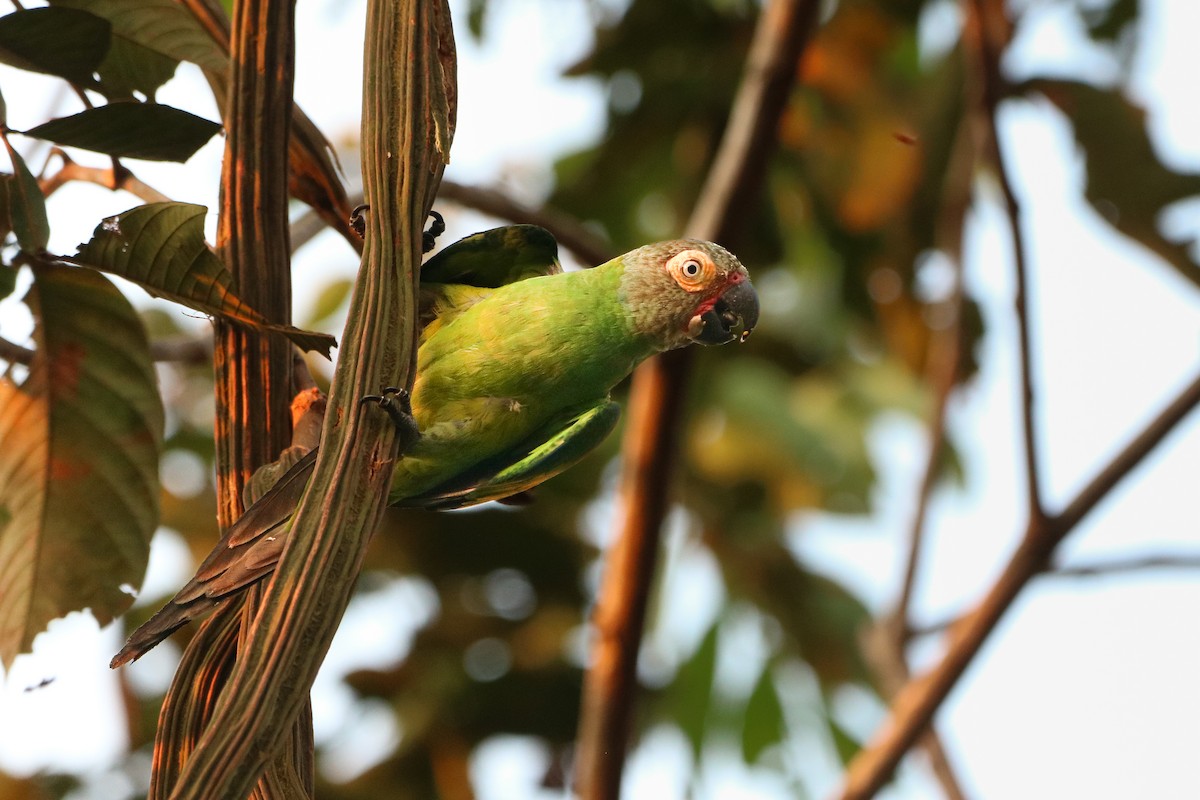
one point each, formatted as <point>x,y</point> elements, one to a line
<point>1127,183</point>
<point>763,725</point>
<point>161,248</point>
<point>25,205</point>
<point>79,467</point>
<point>130,67</point>
<point>134,130</point>
<point>56,41</point>
<point>164,26</point>
<point>690,695</point>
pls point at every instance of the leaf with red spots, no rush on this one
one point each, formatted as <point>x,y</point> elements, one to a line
<point>79,466</point>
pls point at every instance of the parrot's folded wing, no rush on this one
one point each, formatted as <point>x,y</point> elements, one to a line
<point>248,551</point>
<point>491,259</point>
<point>554,448</point>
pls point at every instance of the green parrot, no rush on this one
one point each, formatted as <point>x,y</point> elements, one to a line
<point>514,367</point>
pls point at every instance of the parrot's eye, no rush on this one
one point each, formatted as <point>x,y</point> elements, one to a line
<point>693,270</point>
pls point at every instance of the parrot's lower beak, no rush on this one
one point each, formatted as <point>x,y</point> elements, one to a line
<point>733,316</point>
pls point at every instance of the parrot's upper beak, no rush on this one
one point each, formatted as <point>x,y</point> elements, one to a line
<point>733,316</point>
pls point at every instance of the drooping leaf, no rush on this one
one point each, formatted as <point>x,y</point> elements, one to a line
<point>57,41</point>
<point>763,724</point>
<point>1107,24</point>
<point>331,297</point>
<point>164,26</point>
<point>8,278</point>
<point>161,248</point>
<point>26,205</point>
<point>79,466</point>
<point>149,131</point>
<point>130,67</point>
<point>690,694</point>
<point>845,744</point>
<point>1127,183</point>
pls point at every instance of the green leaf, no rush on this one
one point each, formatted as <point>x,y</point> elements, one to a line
<point>329,300</point>
<point>691,691</point>
<point>161,248</point>
<point>133,130</point>
<point>26,205</point>
<point>1107,24</point>
<point>164,26</point>
<point>764,723</point>
<point>130,67</point>
<point>847,746</point>
<point>55,41</point>
<point>79,467</point>
<point>8,279</point>
<point>1126,181</point>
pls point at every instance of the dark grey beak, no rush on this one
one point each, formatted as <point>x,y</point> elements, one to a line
<point>733,317</point>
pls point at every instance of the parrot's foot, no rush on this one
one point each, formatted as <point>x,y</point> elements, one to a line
<point>358,220</point>
<point>436,229</point>
<point>398,405</point>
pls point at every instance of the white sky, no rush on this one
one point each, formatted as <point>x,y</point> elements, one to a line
<point>1089,687</point>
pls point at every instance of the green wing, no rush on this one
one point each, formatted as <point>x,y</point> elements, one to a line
<point>548,452</point>
<point>462,274</point>
<point>493,258</point>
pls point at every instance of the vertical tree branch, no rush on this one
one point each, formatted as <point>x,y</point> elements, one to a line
<point>408,113</point>
<point>887,643</point>
<point>253,371</point>
<point>659,387</point>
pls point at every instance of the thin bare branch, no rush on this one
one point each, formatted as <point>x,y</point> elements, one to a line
<point>990,29</point>
<point>1131,565</point>
<point>116,177</point>
<point>916,703</point>
<point>590,248</point>
<point>659,385</point>
<point>889,658</point>
<point>1152,563</point>
<point>182,349</point>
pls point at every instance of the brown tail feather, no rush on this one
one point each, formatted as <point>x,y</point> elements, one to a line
<point>247,553</point>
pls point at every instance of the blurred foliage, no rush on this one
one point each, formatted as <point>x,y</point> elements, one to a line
<point>853,244</point>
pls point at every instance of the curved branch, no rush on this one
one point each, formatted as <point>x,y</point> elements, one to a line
<point>182,349</point>
<point>916,703</point>
<point>590,248</point>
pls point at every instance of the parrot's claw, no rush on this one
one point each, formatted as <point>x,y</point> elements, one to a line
<point>398,405</point>
<point>436,229</point>
<point>358,221</point>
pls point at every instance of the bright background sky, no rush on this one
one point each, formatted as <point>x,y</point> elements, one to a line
<point>1089,687</point>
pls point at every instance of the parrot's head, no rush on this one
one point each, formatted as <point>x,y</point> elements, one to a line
<point>689,290</point>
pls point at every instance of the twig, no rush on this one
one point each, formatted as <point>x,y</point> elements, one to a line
<point>659,386</point>
<point>1180,561</point>
<point>590,248</point>
<point>916,703</point>
<point>991,32</point>
<point>181,349</point>
<point>890,659</point>
<point>1183,562</point>
<point>115,178</point>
